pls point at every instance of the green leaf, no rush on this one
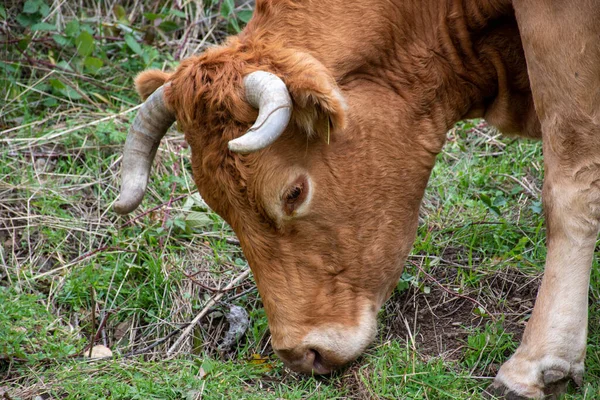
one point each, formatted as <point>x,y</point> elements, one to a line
<point>152,16</point>
<point>486,199</point>
<point>85,43</point>
<point>26,20</point>
<point>480,312</point>
<point>536,207</point>
<point>488,202</point>
<point>7,67</point>
<point>500,201</point>
<point>179,223</point>
<point>71,93</point>
<point>227,8</point>
<point>44,9</point>
<point>93,64</point>
<point>31,6</point>
<point>61,40</point>
<point>43,26</point>
<point>120,13</point>
<point>401,286</point>
<point>168,26</point>
<point>65,65</point>
<point>198,200</point>
<point>56,84</point>
<point>235,25</point>
<point>23,43</point>
<point>197,220</point>
<point>87,28</point>
<point>72,28</point>
<point>177,13</point>
<point>244,16</point>
<point>50,102</point>
<point>146,58</point>
<point>133,45</point>
<point>194,200</point>
<point>2,12</point>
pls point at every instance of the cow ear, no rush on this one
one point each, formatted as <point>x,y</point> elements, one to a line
<point>148,81</point>
<point>319,106</point>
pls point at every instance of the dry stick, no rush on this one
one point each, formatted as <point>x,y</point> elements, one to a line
<point>166,216</point>
<point>135,352</point>
<point>211,289</point>
<point>228,240</point>
<point>101,327</point>
<point>431,278</point>
<point>92,336</point>
<point>53,136</point>
<point>49,39</point>
<point>153,345</point>
<point>230,299</point>
<point>205,310</point>
<point>80,258</point>
<point>170,201</point>
<point>183,42</point>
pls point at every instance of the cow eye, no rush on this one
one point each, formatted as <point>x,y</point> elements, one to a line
<point>294,195</point>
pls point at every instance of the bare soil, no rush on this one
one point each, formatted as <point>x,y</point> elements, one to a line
<point>439,322</point>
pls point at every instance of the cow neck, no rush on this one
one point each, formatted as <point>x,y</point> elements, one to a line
<point>446,60</point>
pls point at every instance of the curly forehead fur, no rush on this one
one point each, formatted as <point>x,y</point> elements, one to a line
<point>207,94</point>
<point>212,84</point>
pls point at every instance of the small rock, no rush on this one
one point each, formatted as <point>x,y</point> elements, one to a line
<point>99,351</point>
<point>238,324</point>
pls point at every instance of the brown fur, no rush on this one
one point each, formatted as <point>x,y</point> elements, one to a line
<point>404,85</point>
<point>408,70</point>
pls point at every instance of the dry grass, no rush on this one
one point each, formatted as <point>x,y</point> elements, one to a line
<point>58,181</point>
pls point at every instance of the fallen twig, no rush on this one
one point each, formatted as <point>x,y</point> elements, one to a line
<point>210,289</point>
<point>78,259</point>
<point>54,136</point>
<point>99,330</point>
<point>169,202</point>
<point>93,336</point>
<point>166,216</point>
<point>205,310</point>
<point>153,345</point>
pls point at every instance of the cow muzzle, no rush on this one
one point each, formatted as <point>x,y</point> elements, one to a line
<point>328,348</point>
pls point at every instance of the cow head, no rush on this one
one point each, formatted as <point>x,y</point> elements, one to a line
<point>320,180</point>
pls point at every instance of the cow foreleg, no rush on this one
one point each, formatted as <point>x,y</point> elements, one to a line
<point>553,347</point>
<point>560,40</point>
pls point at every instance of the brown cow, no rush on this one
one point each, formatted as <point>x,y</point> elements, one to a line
<point>354,100</point>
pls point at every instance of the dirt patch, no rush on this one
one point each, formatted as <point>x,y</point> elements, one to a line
<point>439,322</point>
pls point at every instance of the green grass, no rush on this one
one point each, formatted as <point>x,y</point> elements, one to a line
<point>69,265</point>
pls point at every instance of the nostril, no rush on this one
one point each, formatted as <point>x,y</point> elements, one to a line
<point>317,356</point>
<point>319,365</point>
<point>307,360</point>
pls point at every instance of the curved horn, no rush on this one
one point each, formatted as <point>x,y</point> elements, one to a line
<point>270,96</point>
<point>150,125</point>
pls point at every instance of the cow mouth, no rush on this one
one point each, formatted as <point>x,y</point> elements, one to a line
<point>327,348</point>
